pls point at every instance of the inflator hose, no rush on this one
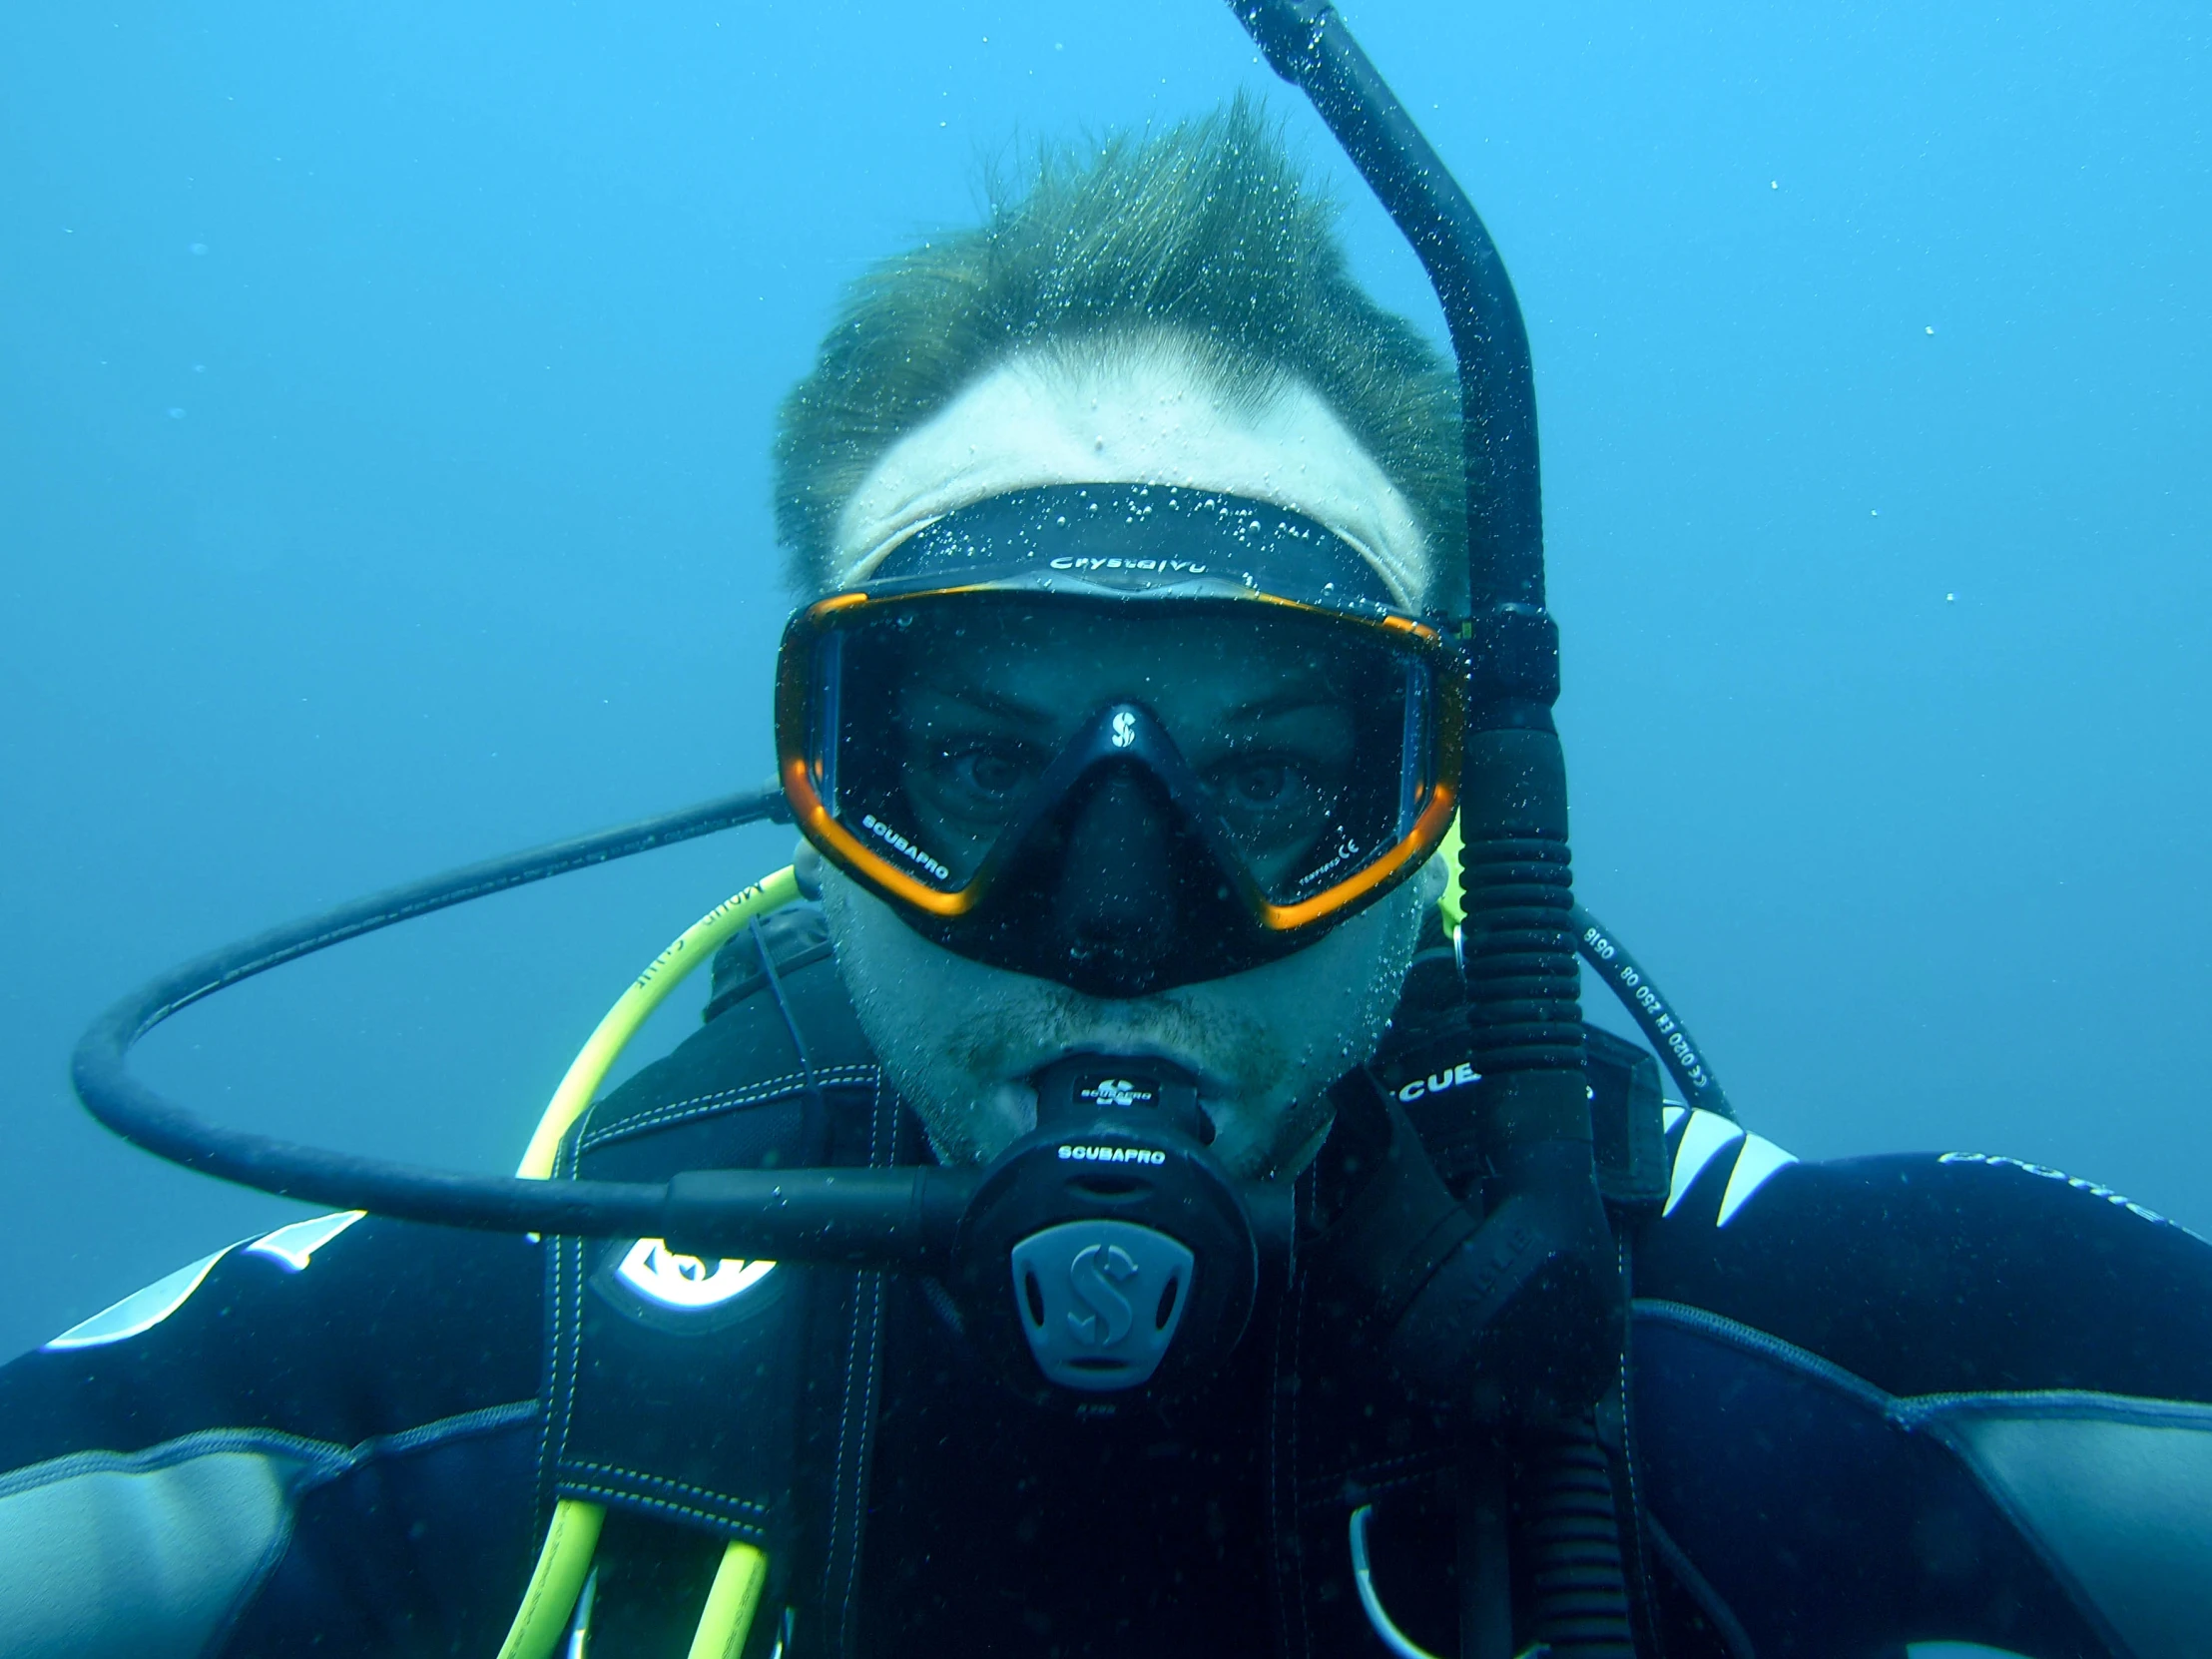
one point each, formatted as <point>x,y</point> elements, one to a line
<point>1669,1037</point>
<point>605,1209</point>
<point>1573,1539</point>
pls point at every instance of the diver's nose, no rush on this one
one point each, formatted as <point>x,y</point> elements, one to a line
<point>1115,899</point>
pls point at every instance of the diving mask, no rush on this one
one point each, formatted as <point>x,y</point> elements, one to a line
<point>1124,736</point>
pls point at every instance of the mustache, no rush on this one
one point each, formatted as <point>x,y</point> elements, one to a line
<point>1021,1028</point>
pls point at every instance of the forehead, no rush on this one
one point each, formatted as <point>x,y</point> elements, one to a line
<point>1145,411</point>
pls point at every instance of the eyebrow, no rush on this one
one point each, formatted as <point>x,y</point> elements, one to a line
<point>1306,689</point>
<point>1282,703</point>
<point>1001,703</point>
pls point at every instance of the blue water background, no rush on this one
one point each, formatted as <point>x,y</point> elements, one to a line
<point>384,393</point>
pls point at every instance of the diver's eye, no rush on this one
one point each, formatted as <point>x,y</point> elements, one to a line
<point>1273,791</point>
<point>984,774</point>
<point>1260,787</point>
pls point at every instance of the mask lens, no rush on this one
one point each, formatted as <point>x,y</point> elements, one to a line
<point>939,726</point>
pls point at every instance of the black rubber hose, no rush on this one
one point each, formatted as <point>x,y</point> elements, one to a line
<point>1626,977</point>
<point>411,1191</point>
<point>1574,1548</point>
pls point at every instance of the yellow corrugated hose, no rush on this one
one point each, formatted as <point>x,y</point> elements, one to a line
<point>565,1560</point>
<point>697,945</point>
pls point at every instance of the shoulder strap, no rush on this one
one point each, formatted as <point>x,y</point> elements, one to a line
<point>714,1395</point>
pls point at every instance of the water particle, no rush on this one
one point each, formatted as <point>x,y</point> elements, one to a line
<point>1951,599</point>
<point>1774,183</point>
<point>176,414</point>
<point>198,248</point>
<point>1930,328</point>
<point>199,368</point>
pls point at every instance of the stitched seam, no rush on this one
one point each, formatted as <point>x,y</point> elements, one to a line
<point>1802,1360</point>
<point>551,1388</point>
<point>1414,1480</point>
<point>1425,1461</point>
<point>424,1437</point>
<point>553,1402</point>
<point>1632,1525</point>
<point>749,1094</point>
<point>882,1128</point>
<point>641,1501</point>
<point>837,1473</point>
<point>568,1337</point>
<point>2060,1404</point>
<point>752,1094</point>
<point>615,1471</point>
<point>555,1425</point>
<point>207,1443</point>
<point>867,1292</point>
<point>483,1421</point>
<point>573,1312</point>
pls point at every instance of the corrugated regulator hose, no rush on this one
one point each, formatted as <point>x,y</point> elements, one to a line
<point>1572,1536</point>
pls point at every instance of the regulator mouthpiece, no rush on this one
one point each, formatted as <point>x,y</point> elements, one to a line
<point>1107,1250</point>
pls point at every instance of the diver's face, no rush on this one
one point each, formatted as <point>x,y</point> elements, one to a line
<point>959,1038</point>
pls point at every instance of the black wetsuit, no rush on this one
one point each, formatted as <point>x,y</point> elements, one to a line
<point>1870,1403</point>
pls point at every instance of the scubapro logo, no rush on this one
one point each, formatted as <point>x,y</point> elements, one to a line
<point>1100,1301</point>
<point>1116,1091</point>
<point>1125,729</point>
<point>883,831</point>
<point>1092,1276</point>
<point>1111,1155</point>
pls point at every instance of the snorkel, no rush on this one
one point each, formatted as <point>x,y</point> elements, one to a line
<point>1530,1297</point>
<point>1490,1272</point>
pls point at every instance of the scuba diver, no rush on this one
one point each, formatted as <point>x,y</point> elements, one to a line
<point>1141,1184</point>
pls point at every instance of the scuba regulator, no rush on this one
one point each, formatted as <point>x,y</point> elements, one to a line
<point>1131,1257</point>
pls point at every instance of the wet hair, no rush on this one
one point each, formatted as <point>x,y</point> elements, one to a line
<point>1206,232</point>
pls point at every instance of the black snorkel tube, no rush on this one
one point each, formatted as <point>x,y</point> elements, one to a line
<point>1520,1296</point>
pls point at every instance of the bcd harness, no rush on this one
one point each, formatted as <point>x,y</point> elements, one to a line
<point>700,1403</point>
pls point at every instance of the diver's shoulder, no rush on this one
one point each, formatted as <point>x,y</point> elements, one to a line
<point>337,1330</point>
<point>1933,1272</point>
